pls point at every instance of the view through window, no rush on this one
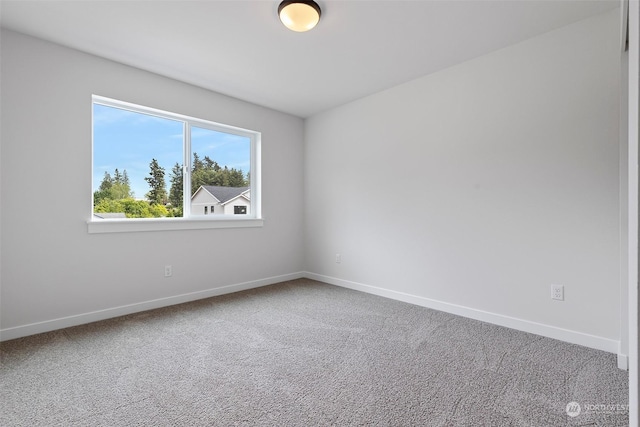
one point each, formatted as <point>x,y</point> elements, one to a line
<point>154,164</point>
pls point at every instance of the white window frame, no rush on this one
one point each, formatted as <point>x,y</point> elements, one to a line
<point>187,222</point>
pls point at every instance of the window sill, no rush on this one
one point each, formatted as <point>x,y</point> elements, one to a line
<point>166,224</point>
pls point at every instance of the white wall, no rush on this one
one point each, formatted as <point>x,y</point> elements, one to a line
<point>51,267</point>
<point>507,167</point>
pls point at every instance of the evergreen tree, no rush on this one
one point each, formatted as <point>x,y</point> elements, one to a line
<point>211,164</point>
<point>116,188</point>
<point>104,191</point>
<point>236,178</point>
<point>120,188</point>
<point>157,193</point>
<point>197,163</point>
<point>208,172</point>
<point>225,178</point>
<point>177,184</point>
<point>125,178</point>
<point>126,184</point>
<point>106,183</point>
<point>202,172</point>
<point>117,177</point>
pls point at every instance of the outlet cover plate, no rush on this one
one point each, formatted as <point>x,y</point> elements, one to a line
<point>557,292</point>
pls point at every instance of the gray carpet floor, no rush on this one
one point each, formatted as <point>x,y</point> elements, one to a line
<point>304,353</point>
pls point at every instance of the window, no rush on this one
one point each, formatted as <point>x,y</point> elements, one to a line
<point>239,210</point>
<point>151,164</point>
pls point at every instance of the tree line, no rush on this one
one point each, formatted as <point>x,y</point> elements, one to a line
<point>115,194</point>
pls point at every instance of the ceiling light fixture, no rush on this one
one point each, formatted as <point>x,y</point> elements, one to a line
<point>299,15</point>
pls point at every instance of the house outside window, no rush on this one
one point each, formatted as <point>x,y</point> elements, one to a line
<point>221,200</point>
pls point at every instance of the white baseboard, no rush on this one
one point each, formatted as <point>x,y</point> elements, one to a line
<point>574,337</point>
<point>566,335</point>
<point>623,362</point>
<point>94,316</point>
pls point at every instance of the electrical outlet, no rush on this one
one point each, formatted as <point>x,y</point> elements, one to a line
<point>338,259</point>
<point>557,292</point>
<point>168,271</point>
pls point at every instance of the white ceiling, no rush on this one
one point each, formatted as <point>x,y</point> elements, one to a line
<point>240,48</point>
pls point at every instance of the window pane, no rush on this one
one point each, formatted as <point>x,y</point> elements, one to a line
<point>134,159</point>
<point>140,156</point>
<point>220,172</point>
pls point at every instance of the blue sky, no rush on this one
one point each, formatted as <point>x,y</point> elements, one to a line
<point>128,141</point>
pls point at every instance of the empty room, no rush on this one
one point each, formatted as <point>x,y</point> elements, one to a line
<point>294,213</point>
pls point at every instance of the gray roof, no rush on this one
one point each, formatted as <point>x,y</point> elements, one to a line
<point>103,215</point>
<point>224,194</point>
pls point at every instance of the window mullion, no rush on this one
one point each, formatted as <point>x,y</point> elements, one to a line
<point>186,171</point>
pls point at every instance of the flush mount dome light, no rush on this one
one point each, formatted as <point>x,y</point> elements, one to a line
<point>299,15</point>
